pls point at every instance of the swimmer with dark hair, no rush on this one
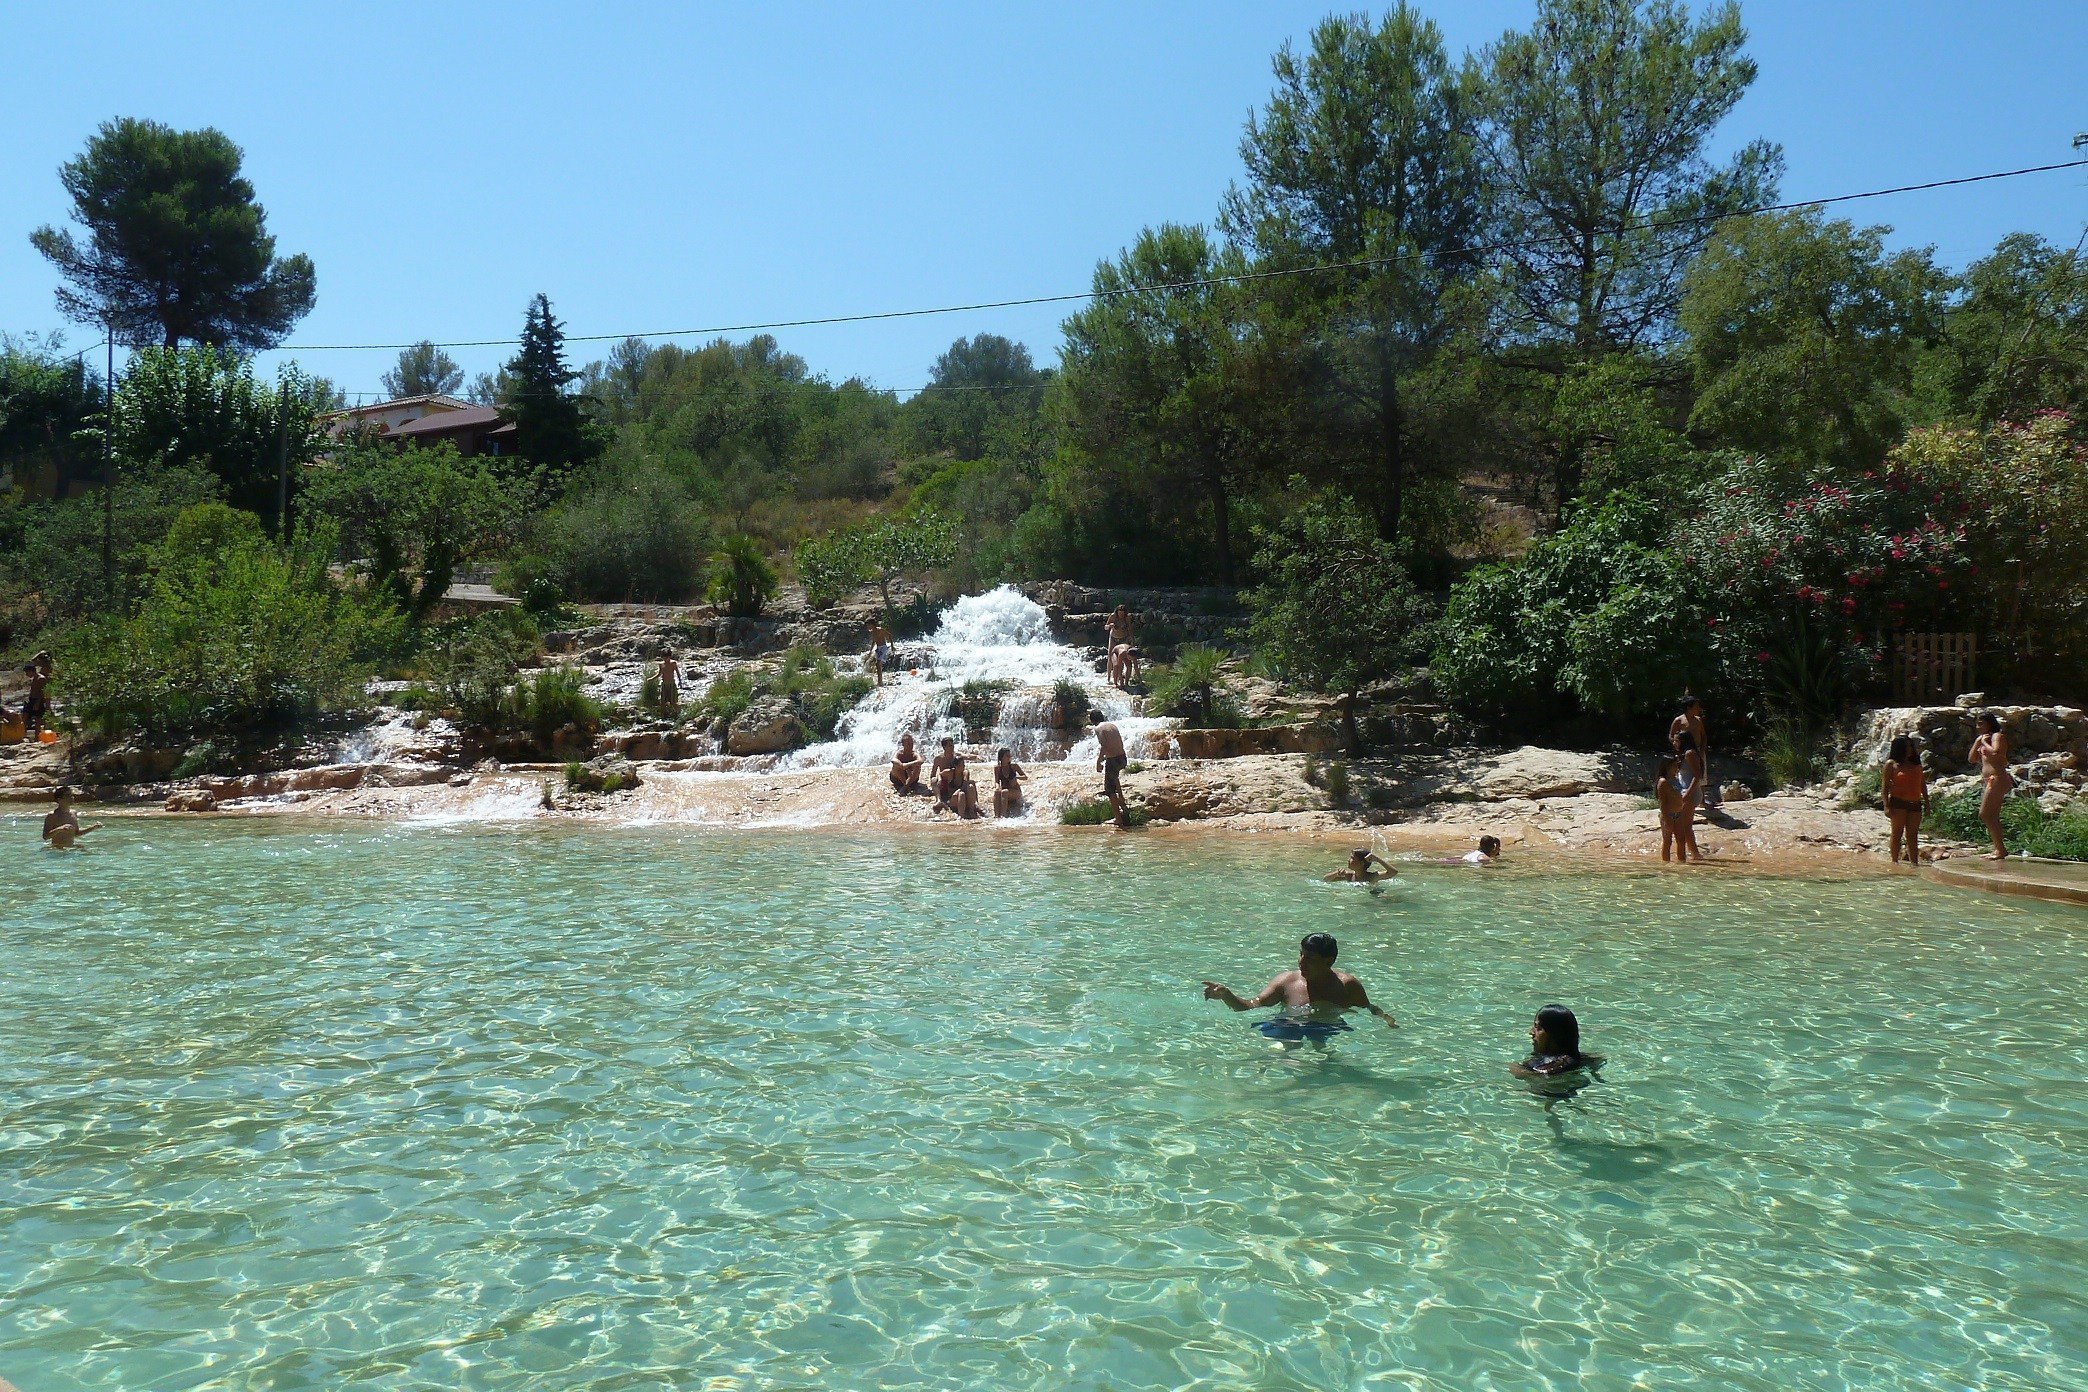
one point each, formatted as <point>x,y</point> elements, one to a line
<point>1359,869</point>
<point>1313,996</point>
<point>1489,853</point>
<point>61,826</point>
<point>1555,1046</point>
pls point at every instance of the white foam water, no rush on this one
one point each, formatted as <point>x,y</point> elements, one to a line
<point>999,636</point>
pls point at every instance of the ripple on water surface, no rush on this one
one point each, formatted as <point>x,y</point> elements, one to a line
<point>459,1107</point>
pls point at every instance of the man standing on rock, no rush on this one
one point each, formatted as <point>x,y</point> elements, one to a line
<point>1110,759</point>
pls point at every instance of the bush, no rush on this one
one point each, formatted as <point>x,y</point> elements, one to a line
<point>411,516</point>
<point>237,637</point>
<point>741,579</point>
<point>554,698</point>
<point>2025,825</point>
<point>1096,811</point>
<point>806,677</point>
<point>1070,700</point>
<point>977,703</point>
<point>634,535</point>
<point>1793,751</point>
<point>727,697</point>
<point>1192,688</point>
<point>1337,783</point>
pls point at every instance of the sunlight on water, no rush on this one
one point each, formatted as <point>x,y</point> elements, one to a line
<point>293,1107</point>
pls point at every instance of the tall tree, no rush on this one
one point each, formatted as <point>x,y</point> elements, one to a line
<point>47,404</point>
<point>176,249</point>
<point>1152,374</point>
<point>972,388</point>
<point>1366,159</point>
<point>423,370</point>
<point>551,430</point>
<point>1599,117</point>
<point>1804,336</point>
<point>2017,340</point>
<point>203,408</point>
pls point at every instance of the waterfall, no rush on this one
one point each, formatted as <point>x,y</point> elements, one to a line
<point>999,637</point>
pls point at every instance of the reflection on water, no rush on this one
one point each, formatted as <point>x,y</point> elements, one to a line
<point>455,1107</point>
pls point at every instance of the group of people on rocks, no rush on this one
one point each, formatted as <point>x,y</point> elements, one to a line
<point>947,777</point>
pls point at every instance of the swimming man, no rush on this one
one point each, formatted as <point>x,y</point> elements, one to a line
<point>1359,871</point>
<point>1314,986</point>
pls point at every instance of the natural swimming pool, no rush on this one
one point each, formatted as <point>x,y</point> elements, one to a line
<point>289,1106</point>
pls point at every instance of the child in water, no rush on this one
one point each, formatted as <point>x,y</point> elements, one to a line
<point>1554,1046</point>
<point>1359,868</point>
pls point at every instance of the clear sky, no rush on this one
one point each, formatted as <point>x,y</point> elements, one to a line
<point>668,166</point>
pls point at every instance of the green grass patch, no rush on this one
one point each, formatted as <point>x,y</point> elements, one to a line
<point>1096,811</point>
<point>2025,826</point>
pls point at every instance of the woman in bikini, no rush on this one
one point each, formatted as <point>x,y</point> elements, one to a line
<point>1990,750</point>
<point>1905,786</point>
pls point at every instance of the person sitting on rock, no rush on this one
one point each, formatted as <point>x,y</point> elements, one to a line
<point>1007,785</point>
<point>954,788</point>
<point>61,826</point>
<point>906,767</point>
<point>1359,868</point>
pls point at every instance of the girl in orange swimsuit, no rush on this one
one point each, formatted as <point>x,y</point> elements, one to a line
<point>1905,785</point>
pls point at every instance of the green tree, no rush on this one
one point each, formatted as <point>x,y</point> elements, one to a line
<point>412,516</point>
<point>1152,375</point>
<point>1335,610</point>
<point>204,408</point>
<point>631,532</point>
<point>175,248</point>
<point>1600,115</point>
<point>551,430</point>
<point>742,580</point>
<point>2016,342</point>
<point>50,413</point>
<point>1608,429</point>
<point>878,553</point>
<point>973,387</point>
<point>423,370</point>
<point>57,575</point>
<point>1366,158</point>
<point>1804,337</point>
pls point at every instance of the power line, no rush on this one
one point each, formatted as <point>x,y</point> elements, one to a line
<point>1241,278</point>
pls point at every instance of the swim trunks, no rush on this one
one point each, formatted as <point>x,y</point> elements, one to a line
<point>1112,769</point>
<point>1300,1031</point>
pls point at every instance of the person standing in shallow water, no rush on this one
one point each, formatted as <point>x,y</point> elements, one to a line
<point>1314,985</point>
<point>1905,787</point>
<point>1689,722</point>
<point>1990,752</point>
<point>61,825</point>
<point>670,682</point>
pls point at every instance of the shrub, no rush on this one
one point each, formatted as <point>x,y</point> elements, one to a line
<point>1864,789</point>
<point>1337,783</point>
<point>1070,700</point>
<point>1191,688</point>
<point>822,695</point>
<point>411,516</point>
<point>2025,825</point>
<point>1096,811</point>
<point>878,553</point>
<point>554,698</point>
<point>728,697</point>
<point>635,535</point>
<point>236,637</point>
<point>741,579</point>
<point>977,703</point>
<point>1792,751</point>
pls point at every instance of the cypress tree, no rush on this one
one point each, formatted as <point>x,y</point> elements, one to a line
<point>551,430</point>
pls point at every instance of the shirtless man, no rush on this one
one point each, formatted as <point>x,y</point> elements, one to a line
<point>880,649</point>
<point>1359,871</point>
<point>38,702</point>
<point>1314,986</point>
<point>61,825</point>
<point>1119,636</point>
<point>906,767</point>
<point>1007,785</point>
<point>670,682</point>
<point>1110,759</point>
<point>1990,752</point>
<point>954,788</point>
<point>1690,721</point>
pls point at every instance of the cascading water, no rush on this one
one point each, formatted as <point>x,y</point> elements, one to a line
<point>1000,637</point>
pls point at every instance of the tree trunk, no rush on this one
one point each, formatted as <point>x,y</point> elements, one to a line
<point>1221,509</point>
<point>1391,448</point>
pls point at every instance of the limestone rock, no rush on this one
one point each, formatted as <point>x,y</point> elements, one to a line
<point>610,773</point>
<point>191,800</point>
<point>769,726</point>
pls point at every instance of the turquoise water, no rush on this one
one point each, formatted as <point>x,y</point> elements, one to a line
<point>517,1108</point>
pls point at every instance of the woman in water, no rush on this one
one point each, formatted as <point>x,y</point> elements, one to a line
<point>1555,1046</point>
<point>1905,786</point>
<point>1990,752</point>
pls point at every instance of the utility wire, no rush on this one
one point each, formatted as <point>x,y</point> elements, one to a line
<point>1241,278</point>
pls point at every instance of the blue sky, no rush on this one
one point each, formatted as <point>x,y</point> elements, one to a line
<point>658,167</point>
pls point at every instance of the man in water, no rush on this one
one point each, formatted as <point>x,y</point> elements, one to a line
<point>61,825</point>
<point>1315,988</point>
<point>880,649</point>
<point>1110,759</point>
<point>906,767</point>
<point>1489,852</point>
<point>1359,871</point>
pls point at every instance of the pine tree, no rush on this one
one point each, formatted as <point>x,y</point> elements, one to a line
<point>551,430</point>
